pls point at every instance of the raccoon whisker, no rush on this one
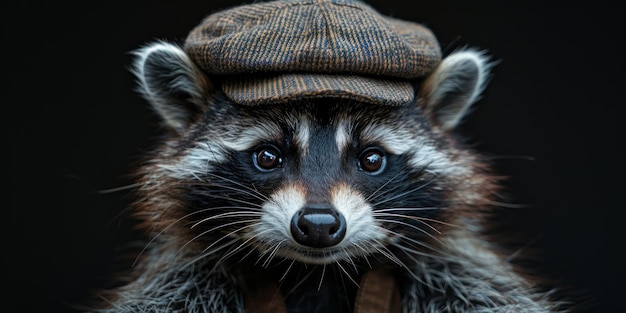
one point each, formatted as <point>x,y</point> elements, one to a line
<point>396,187</point>
<point>256,247</point>
<point>319,286</point>
<point>229,207</point>
<point>281,258</point>
<point>343,284</point>
<point>356,244</point>
<point>511,157</point>
<point>349,256</point>
<point>362,249</point>
<point>411,226</point>
<point>213,250</point>
<point>394,257</point>
<point>419,219</point>
<point>386,192</point>
<point>238,191</point>
<point>224,225</point>
<point>380,248</point>
<point>240,247</point>
<point>176,222</point>
<point>117,189</point>
<point>214,196</point>
<point>413,274</point>
<point>228,253</point>
<point>406,249</point>
<point>234,232</point>
<point>409,271</point>
<point>428,219</point>
<point>192,173</point>
<point>247,254</point>
<point>509,205</point>
<point>272,254</point>
<point>406,209</point>
<point>520,250</point>
<point>346,273</point>
<point>414,241</point>
<point>264,249</point>
<point>295,287</point>
<point>409,249</point>
<point>287,271</point>
<point>254,192</point>
<point>382,186</point>
<point>364,255</point>
<point>239,184</point>
<point>404,193</point>
<point>227,215</point>
<point>216,228</point>
<point>206,254</point>
<point>235,249</point>
<point>254,188</point>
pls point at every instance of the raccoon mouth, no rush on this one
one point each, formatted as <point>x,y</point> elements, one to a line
<point>329,255</point>
<point>315,256</point>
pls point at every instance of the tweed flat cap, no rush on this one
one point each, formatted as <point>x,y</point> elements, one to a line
<point>277,51</point>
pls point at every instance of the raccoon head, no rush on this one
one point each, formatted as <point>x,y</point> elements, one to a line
<point>315,181</point>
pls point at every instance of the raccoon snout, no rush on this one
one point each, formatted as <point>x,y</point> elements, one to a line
<point>318,226</point>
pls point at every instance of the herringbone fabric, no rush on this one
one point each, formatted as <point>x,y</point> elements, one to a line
<point>339,48</point>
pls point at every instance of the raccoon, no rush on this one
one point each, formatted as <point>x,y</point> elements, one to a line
<point>311,196</point>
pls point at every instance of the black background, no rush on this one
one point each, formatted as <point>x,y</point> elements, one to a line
<point>77,126</point>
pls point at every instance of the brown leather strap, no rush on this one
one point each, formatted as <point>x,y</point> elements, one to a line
<point>378,293</point>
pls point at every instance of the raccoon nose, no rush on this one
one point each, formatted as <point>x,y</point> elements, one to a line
<point>318,226</point>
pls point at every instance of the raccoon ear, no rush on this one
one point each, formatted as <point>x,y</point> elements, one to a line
<point>175,87</point>
<point>456,83</point>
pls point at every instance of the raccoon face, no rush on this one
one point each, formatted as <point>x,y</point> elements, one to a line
<point>316,181</point>
<point>325,180</point>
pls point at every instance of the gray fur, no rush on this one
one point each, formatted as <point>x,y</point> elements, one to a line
<point>471,279</point>
<point>176,283</point>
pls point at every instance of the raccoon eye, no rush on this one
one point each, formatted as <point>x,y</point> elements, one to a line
<point>372,160</point>
<point>267,158</point>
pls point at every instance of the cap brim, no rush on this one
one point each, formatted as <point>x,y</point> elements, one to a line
<point>280,88</point>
